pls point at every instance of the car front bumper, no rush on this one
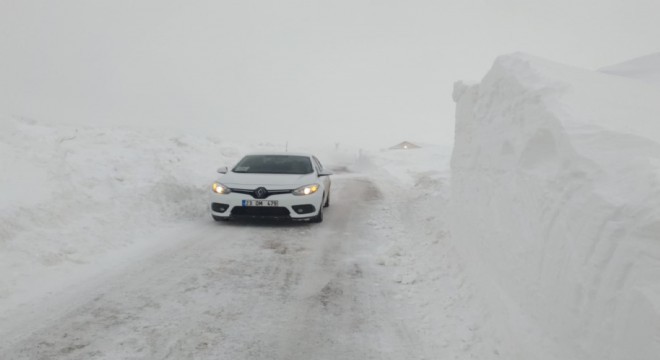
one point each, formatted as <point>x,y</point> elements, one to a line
<point>289,206</point>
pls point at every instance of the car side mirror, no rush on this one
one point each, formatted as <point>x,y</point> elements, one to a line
<point>223,170</point>
<point>325,173</point>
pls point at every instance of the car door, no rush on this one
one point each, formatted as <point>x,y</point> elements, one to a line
<point>324,179</point>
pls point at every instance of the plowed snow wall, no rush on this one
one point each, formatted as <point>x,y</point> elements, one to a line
<point>561,214</point>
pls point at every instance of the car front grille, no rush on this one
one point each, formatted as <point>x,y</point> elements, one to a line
<point>258,211</point>
<point>252,192</point>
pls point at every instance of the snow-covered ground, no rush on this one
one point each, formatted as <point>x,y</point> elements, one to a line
<point>540,241</point>
<point>108,252</point>
<point>645,68</point>
<point>556,202</point>
<point>73,195</point>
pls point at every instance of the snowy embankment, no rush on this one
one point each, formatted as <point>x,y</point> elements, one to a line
<point>646,68</point>
<point>70,196</point>
<point>79,201</point>
<point>556,202</point>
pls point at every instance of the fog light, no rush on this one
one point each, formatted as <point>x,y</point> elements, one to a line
<point>304,209</point>
<point>218,207</point>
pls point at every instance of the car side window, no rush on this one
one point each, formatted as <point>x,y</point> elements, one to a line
<point>318,164</point>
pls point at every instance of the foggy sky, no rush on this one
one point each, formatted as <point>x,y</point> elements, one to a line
<point>363,72</point>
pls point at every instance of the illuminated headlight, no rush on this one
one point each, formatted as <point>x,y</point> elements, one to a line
<point>220,189</point>
<point>306,190</point>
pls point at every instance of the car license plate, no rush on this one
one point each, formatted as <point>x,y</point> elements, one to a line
<point>260,203</point>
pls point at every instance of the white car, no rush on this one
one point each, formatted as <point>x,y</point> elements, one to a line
<point>272,185</point>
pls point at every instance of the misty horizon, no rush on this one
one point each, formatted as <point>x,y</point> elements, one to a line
<point>357,73</point>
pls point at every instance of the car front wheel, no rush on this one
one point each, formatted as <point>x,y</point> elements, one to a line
<point>319,217</point>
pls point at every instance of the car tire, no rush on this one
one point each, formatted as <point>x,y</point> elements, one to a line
<point>327,201</point>
<point>219,218</point>
<point>319,217</point>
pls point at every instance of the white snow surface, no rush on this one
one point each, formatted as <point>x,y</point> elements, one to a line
<point>556,202</point>
<point>73,196</point>
<point>108,251</point>
<point>541,243</point>
<point>646,68</point>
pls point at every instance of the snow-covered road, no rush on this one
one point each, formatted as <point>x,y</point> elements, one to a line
<point>539,241</point>
<point>116,257</point>
<point>239,291</point>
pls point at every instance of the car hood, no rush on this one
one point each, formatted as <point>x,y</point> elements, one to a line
<point>273,181</point>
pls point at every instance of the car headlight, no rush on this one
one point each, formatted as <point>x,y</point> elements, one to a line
<point>307,189</point>
<point>220,189</point>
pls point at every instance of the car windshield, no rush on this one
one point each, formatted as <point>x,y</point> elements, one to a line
<point>274,164</point>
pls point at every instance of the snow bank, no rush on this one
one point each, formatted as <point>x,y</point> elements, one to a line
<point>73,198</point>
<point>646,68</point>
<point>425,168</point>
<point>71,195</point>
<point>556,201</point>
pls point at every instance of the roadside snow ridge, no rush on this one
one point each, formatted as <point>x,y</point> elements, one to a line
<point>556,200</point>
<point>646,68</point>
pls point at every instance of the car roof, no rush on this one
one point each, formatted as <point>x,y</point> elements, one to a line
<point>280,153</point>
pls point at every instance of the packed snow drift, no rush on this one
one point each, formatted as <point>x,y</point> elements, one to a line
<point>645,68</point>
<point>73,196</point>
<point>379,278</point>
<point>556,202</point>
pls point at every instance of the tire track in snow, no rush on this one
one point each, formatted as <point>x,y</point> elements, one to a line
<point>345,303</point>
<point>238,291</point>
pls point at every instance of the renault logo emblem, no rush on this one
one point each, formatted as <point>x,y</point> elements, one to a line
<point>261,193</point>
